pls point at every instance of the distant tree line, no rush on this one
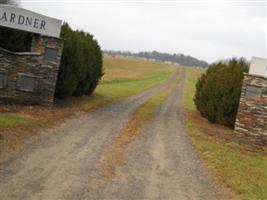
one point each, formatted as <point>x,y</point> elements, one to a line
<point>81,62</point>
<point>218,91</point>
<point>175,58</point>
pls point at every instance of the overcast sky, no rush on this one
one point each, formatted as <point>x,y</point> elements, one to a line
<point>209,30</point>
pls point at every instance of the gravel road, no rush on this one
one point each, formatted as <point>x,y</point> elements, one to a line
<point>64,164</point>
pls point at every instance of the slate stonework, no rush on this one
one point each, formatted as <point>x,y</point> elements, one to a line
<point>32,64</point>
<point>252,113</point>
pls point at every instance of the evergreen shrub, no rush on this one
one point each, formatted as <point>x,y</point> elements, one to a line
<point>81,64</point>
<point>218,91</point>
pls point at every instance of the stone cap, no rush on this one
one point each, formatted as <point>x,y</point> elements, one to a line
<point>45,36</point>
<point>255,75</point>
<point>20,53</point>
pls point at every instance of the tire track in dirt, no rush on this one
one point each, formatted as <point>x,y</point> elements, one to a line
<point>161,162</point>
<point>177,173</point>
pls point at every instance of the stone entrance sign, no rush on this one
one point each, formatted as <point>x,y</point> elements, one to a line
<point>30,77</point>
<point>26,20</point>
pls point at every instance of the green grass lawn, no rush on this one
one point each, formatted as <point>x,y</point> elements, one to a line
<point>242,171</point>
<point>9,120</point>
<point>192,76</point>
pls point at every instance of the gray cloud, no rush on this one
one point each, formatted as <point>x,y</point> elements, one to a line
<point>207,30</point>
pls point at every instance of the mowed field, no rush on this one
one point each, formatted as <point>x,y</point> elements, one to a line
<point>123,77</point>
<point>235,164</point>
<point>128,76</point>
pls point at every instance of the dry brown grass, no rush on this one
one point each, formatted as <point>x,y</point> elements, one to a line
<point>214,132</point>
<point>120,69</point>
<point>115,155</point>
<point>14,137</point>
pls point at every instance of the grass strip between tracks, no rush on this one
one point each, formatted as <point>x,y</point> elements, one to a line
<point>115,155</point>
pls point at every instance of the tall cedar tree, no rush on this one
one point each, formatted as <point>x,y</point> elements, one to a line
<point>81,64</point>
<point>218,91</point>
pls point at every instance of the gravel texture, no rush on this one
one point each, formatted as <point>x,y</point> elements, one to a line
<point>161,163</point>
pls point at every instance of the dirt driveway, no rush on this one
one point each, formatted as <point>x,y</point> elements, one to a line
<point>161,163</point>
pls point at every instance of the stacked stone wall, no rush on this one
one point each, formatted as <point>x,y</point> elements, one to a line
<point>35,65</point>
<point>252,113</point>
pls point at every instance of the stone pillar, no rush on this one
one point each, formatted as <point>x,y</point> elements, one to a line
<point>36,44</point>
<point>30,77</point>
<point>251,118</point>
<point>51,51</point>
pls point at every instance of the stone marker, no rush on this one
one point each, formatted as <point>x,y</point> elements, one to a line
<point>251,118</point>
<point>30,77</point>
